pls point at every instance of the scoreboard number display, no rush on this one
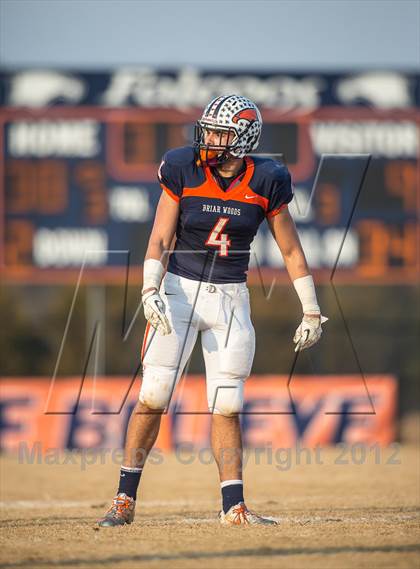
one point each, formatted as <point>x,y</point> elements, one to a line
<point>78,187</point>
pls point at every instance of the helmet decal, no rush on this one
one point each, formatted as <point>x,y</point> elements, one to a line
<point>247,114</point>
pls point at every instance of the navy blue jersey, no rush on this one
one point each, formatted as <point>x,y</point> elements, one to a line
<point>216,227</point>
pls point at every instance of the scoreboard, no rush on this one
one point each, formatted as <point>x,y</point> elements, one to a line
<point>78,187</point>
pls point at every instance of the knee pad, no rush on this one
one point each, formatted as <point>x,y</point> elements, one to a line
<point>157,387</point>
<point>226,397</point>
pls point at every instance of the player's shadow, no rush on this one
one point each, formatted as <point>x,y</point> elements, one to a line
<point>261,552</point>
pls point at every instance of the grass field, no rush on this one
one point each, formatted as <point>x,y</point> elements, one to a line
<point>331,514</point>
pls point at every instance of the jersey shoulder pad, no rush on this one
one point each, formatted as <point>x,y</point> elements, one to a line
<point>271,170</point>
<point>183,156</point>
<point>275,182</point>
<point>175,169</point>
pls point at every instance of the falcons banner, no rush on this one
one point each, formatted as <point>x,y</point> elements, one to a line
<point>189,87</point>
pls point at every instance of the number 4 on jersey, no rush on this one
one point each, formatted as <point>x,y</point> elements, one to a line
<point>218,239</point>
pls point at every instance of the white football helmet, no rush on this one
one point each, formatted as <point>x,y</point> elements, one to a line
<point>232,114</point>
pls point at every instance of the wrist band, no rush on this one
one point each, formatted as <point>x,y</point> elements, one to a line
<point>305,289</point>
<point>152,274</point>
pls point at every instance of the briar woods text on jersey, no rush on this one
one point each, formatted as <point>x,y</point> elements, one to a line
<point>221,209</point>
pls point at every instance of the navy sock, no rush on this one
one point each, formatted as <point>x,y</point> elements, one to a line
<point>129,481</point>
<point>232,493</point>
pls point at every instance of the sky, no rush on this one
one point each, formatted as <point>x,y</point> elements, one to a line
<point>237,34</point>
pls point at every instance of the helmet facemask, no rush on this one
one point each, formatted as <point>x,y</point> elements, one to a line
<point>214,153</point>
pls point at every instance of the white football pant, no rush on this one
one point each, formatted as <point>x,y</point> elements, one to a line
<point>221,312</point>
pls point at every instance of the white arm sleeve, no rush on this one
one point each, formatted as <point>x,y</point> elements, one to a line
<point>305,289</point>
<point>152,274</point>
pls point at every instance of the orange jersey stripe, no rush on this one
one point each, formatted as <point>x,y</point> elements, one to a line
<point>170,193</point>
<point>241,192</point>
<point>244,195</point>
<point>143,347</point>
<point>249,196</point>
<point>274,212</point>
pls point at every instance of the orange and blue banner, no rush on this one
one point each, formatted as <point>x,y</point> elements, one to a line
<point>93,414</point>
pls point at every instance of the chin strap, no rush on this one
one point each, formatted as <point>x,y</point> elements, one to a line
<point>213,157</point>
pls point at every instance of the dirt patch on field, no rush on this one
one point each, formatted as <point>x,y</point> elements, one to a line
<point>337,511</point>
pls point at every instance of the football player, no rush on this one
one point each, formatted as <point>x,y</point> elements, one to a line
<point>214,198</point>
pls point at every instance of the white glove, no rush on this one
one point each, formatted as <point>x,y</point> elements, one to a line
<point>154,311</point>
<point>308,332</point>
